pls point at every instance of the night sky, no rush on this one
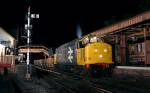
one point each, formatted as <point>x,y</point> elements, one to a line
<point>58,20</point>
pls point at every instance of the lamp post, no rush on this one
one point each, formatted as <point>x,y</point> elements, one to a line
<point>28,27</point>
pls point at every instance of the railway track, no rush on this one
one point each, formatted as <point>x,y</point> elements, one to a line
<point>105,84</point>
<point>57,82</point>
<point>123,85</point>
<point>65,81</point>
<point>97,87</point>
<point>33,85</point>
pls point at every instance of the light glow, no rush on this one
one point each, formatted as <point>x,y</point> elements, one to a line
<point>105,50</point>
<point>95,50</point>
<point>100,55</point>
<point>2,49</point>
<point>95,38</point>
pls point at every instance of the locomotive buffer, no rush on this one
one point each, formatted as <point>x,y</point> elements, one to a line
<point>28,27</point>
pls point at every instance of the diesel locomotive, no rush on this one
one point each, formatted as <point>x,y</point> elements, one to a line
<point>89,56</point>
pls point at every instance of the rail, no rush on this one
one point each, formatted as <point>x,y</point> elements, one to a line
<point>46,70</point>
<point>100,90</point>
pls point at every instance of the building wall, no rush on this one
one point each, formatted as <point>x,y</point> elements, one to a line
<point>7,43</point>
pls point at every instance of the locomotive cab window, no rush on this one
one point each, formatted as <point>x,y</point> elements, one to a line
<point>80,44</point>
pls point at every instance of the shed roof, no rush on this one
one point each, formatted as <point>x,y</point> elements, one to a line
<point>5,34</point>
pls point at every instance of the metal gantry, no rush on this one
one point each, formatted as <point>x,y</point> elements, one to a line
<point>28,27</point>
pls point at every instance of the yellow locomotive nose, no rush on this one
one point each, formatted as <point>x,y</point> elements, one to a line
<point>97,53</point>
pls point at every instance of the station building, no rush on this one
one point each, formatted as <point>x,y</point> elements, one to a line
<point>7,50</point>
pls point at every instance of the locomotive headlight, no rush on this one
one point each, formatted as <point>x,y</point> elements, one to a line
<point>95,50</point>
<point>100,55</point>
<point>105,50</point>
<point>95,38</point>
<point>91,40</point>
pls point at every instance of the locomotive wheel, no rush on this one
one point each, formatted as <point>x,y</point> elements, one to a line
<point>82,71</point>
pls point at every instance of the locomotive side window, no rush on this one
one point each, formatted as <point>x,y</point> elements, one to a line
<point>80,45</point>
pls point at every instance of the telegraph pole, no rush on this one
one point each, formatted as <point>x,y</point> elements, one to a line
<point>28,27</point>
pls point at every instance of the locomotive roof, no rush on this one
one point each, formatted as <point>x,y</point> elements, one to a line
<point>67,43</point>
